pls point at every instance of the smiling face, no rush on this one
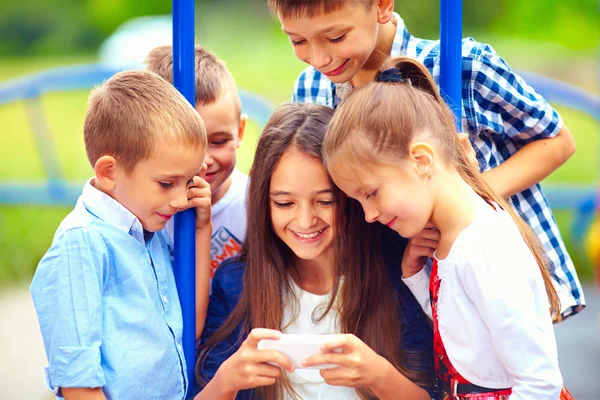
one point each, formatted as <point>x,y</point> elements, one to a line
<point>395,195</point>
<point>338,43</point>
<point>157,187</point>
<point>302,205</point>
<point>225,129</point>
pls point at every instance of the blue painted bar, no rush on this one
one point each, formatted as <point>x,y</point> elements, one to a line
<point>451,55</point>
<point>185,222</point>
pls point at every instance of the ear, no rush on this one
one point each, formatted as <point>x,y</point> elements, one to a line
<point>422,156</point>
<point>242,128</point>
<point>385,10</point>
<point>105,170</point>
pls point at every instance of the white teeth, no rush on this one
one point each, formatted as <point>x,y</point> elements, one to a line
<point>309,235</point>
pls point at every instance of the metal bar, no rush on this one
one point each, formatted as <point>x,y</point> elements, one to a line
<point>185,243</point>
<point>451,55</point>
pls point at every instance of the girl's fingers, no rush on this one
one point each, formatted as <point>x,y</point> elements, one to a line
<point>422,242</point>
<point>257,334</point>
<point>274,356</point>
<point>264,381</point>
<point>421,251</point>
<point>268,371</point>
<point>328,358</point>
<point>344,342</point>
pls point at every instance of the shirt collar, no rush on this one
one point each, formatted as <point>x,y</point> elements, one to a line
<point>111,211</point>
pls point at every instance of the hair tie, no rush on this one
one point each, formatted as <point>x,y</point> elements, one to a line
<point>390,75</point>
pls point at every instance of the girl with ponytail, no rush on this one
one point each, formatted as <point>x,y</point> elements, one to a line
<point>392,145</point>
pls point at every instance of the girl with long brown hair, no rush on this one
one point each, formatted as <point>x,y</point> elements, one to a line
<point>392,145</point>
<point>311,264</point>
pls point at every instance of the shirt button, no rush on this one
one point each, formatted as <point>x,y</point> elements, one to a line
<point>165,299</point>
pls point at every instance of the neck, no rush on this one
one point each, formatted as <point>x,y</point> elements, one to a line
<point>218,195</point>
<point>383,49</point>
<point>456,208</point>
<point>314,276</point>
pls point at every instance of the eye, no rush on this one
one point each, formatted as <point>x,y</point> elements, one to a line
<point>282,205</point>
<point>372,195</point>
<point>326,203</point>
<point>218,143</point>
<point>338,39</point>
<point>297,42</point>
<point>166,185</point>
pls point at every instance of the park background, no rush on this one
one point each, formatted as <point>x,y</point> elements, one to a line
<point>554,38</point>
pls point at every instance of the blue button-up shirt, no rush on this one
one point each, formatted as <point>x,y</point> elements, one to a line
<point>107,304</point>
<point>502,114</point>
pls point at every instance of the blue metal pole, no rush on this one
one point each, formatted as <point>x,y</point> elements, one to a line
<point>451,55</point>
<point>185,222</point>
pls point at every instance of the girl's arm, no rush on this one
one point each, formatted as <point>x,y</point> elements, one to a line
<point>83,394</point>
<point>247,368</point>
<point>505,285</point>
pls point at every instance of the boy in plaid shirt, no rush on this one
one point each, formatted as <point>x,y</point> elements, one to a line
<point>518,138</point>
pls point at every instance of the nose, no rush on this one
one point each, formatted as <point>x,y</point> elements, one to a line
<point>306,217</point>
<point>180,199</point>
<point>371,214</point>
<point>319,57</point>
<point>208,159</point>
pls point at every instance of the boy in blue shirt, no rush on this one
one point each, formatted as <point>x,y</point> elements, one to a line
<point>518,138</point>
<point>105,292</point>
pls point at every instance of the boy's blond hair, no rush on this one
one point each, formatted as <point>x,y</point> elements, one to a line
<point>311,8</point>
<point>129,114</point>
<point>212,76</point>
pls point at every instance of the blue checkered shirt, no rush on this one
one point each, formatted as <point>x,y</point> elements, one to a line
<point>502,114</point>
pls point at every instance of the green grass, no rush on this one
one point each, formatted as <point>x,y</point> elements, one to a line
<point>264,64</point>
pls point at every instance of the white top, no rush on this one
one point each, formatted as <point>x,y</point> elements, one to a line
<point>493,310</point>
<point>308,383</point>
<point>229,220</point>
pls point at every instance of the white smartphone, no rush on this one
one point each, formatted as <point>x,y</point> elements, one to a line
<point>297,347</point>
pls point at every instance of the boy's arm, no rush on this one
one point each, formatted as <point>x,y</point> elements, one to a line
<point>83,394</point>
<point>199,197</point>
<point>67,294</point>
<point>530,164</point>
<point>512,114</point>
<point>203,237</point>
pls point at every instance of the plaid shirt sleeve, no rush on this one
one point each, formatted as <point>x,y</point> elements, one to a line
<point>312,87</point>
<point>503,102</point>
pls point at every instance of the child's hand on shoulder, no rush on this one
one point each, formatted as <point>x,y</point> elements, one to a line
<point>419,249</point>
<point>199,196</point>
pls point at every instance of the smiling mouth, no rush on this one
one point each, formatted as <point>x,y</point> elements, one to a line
<point>308,236</point>
<point>338,70</point>
<point>166,217</point>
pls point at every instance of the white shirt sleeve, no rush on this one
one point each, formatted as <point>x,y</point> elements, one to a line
<point>419,286</point>
<point>506,286</point>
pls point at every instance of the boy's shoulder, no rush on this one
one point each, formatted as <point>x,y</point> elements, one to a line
<point>313,87</point>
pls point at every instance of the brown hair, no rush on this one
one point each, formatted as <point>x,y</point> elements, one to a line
<point>311,8</point>
<point>377,123</point>
<point>367,301</point>
<point>212,77</point>
<point>131,112</point>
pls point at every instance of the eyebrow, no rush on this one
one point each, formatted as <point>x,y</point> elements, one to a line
<point>222,133</point>
<point>284,193</point>
<point>173,177</point>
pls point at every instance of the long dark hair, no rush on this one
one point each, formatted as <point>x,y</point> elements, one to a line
<point>377,123</point>
<point>367,302</point>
